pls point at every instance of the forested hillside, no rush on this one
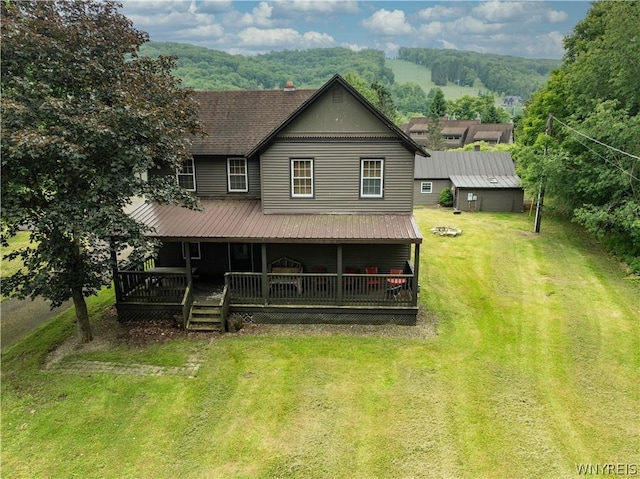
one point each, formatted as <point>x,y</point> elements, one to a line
<point>503,75</point>
<point>205,69</point>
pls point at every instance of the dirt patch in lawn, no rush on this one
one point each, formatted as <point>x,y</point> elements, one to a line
<point>109,332</point>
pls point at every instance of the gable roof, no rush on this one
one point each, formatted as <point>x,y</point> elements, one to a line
<point>447,164</point>
<point>406,141</point>
<point>237,120</point>
<point>244,122</point>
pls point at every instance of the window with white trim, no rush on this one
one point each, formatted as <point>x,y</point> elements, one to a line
<point>371,173</point>
<point>187,175</point>
<point>426,187</point>
<point>194,249</point>
<point>302,178</point>
<point>237,174</point>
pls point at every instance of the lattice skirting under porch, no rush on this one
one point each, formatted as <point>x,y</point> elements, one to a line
<point>308,317</point>
<point>126,315</point>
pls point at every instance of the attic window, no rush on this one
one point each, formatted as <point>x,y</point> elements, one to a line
<point>337,96</point>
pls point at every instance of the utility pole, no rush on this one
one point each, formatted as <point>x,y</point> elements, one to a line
<point>540,199</point>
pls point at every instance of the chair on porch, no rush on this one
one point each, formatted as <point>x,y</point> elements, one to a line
<point>395,285</point>
<point>372,283</point>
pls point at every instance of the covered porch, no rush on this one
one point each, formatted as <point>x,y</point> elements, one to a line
<point>340,276</point>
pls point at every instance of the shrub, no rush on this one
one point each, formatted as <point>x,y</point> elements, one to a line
<point>446,197</point>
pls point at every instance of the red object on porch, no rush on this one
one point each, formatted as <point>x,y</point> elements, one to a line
<point>395,282</point>
<point>321,283</point>
<point>372,282</point>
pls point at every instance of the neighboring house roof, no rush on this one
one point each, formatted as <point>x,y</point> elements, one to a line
<point>485,181</point>
<point>491,135</point>
<point>464,165</point>
<point>468,130</point>
<point>454,130</point>
<point>243,122</point>
<point>244,221</point>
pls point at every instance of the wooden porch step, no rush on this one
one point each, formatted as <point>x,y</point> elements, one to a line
<point>205,318</point>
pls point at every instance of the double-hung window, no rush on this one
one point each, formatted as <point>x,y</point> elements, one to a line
<point>302,178</point>
<point>186,175</point>
<point>371,174</point>
<point>426,186</point>
<point>237,174</point>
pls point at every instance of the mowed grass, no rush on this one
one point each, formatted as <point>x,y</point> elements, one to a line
<point>534,370</point>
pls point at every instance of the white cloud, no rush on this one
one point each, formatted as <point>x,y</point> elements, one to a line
<point>388,23</point>
<point>438,12</point>
<point>354,47</point>
<point>283,37</point>
<point>260,16</point>
<point>448,45</point>
<point>391,49</point>
<point>473,26</point>
<point>497,11</point>
<point>316,6</point>
<point>203,32</point>
<point>555,16</point>
<point>430,30</point>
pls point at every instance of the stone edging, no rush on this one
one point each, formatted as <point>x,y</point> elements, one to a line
<point>189,370</point>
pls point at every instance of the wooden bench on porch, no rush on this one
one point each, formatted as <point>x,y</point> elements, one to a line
<point>284,270</point>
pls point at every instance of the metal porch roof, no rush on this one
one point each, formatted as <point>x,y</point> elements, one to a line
<point>244,221</point>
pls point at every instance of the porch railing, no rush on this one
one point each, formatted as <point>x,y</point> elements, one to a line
<point>146,287</point>
<point>322,289</point>
<point>187,302</point>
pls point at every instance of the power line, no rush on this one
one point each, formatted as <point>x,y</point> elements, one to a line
<point>594,140</point>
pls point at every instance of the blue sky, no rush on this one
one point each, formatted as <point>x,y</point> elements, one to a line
<point>521,28</point>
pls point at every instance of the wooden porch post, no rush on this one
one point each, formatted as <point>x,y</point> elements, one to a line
<point>187,257</point>
<point>339,266</point>
<point>416,271</point>
<point>265,283</point>
<point>114,271</point>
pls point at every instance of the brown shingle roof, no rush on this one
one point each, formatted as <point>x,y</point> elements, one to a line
<point>237,120</point>
<point>243,221</point>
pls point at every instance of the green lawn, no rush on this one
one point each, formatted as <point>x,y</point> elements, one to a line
<point>534,369</point>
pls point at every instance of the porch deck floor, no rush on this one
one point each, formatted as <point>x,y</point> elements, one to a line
<point>207,292</point>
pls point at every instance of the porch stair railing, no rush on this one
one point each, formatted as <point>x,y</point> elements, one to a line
<point>209,315</point>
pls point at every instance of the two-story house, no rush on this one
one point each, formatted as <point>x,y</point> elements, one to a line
<point>306,216</point>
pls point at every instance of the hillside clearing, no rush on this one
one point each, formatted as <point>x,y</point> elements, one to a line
<point>408,72</point>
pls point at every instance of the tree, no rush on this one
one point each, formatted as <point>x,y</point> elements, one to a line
<point>591,111</point>
<point>376,94</point>
<point>438,106</point>
<point>83,118</point>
